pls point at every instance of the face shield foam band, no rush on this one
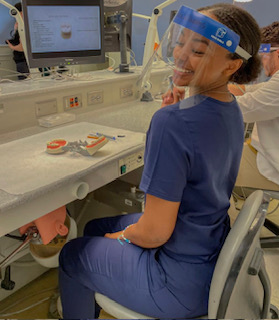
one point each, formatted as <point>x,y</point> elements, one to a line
<point>210,29</point>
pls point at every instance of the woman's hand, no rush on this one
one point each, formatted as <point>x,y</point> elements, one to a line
<point>172,96</point>
<point>114,235</point>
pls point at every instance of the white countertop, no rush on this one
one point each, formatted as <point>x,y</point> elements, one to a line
<point>134,116</point>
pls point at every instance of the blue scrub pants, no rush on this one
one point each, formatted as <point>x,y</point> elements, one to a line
<point>121,272</point>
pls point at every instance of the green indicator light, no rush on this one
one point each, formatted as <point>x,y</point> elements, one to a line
<point>123,169</point>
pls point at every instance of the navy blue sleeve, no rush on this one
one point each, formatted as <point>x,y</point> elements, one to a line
<point>168,156</point>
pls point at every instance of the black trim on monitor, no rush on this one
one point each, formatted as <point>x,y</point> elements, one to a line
<point>67,57</point>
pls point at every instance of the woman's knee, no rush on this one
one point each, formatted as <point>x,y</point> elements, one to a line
<point>94,228</point>
<point>70,252</point>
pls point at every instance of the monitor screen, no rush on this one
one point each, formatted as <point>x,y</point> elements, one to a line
<point>64,32</point>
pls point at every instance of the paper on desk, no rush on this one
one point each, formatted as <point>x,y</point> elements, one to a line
<point>25,166</point>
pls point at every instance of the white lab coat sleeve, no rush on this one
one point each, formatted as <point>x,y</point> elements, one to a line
<point>261,104</point>
<point>253,87</point>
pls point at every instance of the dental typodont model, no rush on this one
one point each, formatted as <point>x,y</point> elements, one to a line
<point>58,146</point>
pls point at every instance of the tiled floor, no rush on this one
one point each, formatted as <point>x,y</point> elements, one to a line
<point>45,286</point>
<point>43,290</point>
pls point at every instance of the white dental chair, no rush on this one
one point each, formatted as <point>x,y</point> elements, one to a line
<point>271,242</point>
<point>240,286</point>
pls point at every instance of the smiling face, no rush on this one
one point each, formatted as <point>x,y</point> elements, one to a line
<point>200,62</point>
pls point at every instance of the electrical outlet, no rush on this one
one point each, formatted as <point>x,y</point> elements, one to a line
<point>126,92</point>
<point>44,108</point>
<point>72,102</point>
<point>95,97</point>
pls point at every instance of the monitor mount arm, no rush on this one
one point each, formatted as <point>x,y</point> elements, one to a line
<point>16,14</point>
<point>124,66</point>
<point>119,19</point>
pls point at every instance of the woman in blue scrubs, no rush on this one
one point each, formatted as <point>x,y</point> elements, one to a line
<point>160,262</point>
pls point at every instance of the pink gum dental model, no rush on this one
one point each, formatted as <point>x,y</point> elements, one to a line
<point>59,146</point>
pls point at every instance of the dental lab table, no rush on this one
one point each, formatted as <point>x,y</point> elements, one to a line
<point>33,182</point>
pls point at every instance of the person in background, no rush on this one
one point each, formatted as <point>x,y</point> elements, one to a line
<point>18,53</point>
<point>259,104</point>
<point>160,262</point>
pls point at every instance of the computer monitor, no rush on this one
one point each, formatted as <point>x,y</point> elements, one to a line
<point>64,32</point>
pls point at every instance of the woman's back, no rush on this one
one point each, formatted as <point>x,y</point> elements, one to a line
<point>196,159</point>
<point>196,152</point>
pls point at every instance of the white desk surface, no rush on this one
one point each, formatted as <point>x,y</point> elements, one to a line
<point>25,166</point>
<point>17,210</point>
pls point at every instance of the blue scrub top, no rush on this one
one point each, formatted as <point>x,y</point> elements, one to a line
<point>193,152</point>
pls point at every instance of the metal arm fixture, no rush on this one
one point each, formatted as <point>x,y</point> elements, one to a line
<point>152,33</point>
<point>152,39</point>
<point>16,14</point>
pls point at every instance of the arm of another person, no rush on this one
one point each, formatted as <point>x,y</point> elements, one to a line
<point>17,47</point>
<point>260,102</point>
<point>240,89</point>
<point>237,89</point>
<point>155,226</point>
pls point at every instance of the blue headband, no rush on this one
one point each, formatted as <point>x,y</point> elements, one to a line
<point>210,29</point>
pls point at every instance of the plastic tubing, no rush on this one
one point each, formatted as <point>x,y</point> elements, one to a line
<point>24,299</point>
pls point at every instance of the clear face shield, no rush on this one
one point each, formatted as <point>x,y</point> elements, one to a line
<point>196,49</point>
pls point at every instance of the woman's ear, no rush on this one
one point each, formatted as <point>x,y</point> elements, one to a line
<point>232,67</point>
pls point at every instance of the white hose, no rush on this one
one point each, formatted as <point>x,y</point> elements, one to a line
<point>25,309</point>
<point>24,299</point>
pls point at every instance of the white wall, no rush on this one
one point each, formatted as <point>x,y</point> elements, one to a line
<point>264,11</point>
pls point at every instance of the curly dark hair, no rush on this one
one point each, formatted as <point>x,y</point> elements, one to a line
<point>18,6</point>
<point>242,23</point>
<point>270,34</point>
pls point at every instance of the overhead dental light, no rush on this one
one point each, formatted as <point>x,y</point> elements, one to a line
<point>242,3</point>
